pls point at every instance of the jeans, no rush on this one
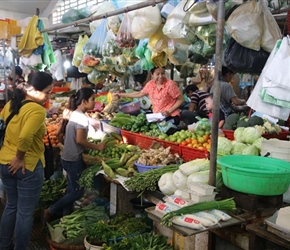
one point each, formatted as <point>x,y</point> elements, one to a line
<point>73,191</point>
<point>23,191</point>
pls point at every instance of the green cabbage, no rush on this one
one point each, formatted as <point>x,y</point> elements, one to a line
<point>250,134</point>
<point>250,150</point>
<point>258,143</point>
<point>238,134</point>
<point>238,148</point>
<point>224,146</point>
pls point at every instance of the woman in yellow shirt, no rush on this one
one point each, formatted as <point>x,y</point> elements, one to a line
<point>22,159</point>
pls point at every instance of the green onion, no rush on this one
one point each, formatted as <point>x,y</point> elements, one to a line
<point>227,204</point>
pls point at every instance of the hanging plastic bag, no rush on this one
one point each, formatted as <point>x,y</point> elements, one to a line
<point>145,22</point>
<point>158,41</point>
<point>146,62</point>
<point>271,32</point>
<point>130,56</point>
<point>255,101</point>
<point>110,47</point>
<point>180,56</point>
<point>96,76</point>
<point>207,33</point>
<point>195,52</point>
<point>85,69</point>
<point>78,53</point>
<point>159,59</point>
<point>124,37</point>
<point>105,64</point>
<point>212,7</point>
<point>244,60</point>
<point>113,22</point>
<point>176,25</point>
<point>140,49</point>
<point>245,25</point>
<point>94,45</point>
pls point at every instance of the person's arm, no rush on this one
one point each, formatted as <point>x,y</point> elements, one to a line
<point>236,101</point>
<point>192,107</point>
<point>17,162</point>
<point>130,95</point>
<point>177,104</point>
<point>221,124</point>
<point>81,139</point>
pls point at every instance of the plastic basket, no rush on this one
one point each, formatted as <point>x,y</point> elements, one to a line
<point>255,174</point>
<point>174,147</point>
<point>107,128</point>
<point>281,136</point>
<point>128,137</point>
<point>144,142</point>
<point>131,108</point>
<point>229,134</point>
<point>189,154</point>
<point>143,168</point>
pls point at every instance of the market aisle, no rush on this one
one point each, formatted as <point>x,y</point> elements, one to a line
<point>37,241</point>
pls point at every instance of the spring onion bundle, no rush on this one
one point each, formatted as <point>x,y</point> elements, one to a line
<point>148,180</point>
<point>227,204</point>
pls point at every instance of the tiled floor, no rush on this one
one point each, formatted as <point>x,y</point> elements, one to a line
<point>38,235</point>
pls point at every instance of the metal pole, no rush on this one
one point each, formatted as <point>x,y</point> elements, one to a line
<point>5,78</point>
<point>104,15</point>
<point>217,91</point>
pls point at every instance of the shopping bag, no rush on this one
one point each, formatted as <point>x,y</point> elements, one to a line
<point>243,60</point>
<point>124,37</point>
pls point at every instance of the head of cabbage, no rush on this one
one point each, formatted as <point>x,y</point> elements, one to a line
<point>250,150</point>
<point>224,146</point>
<point>238,148</point>
<point>250,134</point>
<point>258,143</point>
<point>238,134</point>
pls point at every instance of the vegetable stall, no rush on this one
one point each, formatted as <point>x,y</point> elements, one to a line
<point>182,174</point>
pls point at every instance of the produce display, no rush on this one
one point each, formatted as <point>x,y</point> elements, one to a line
<point>52,125</point>
<point>75,225</point>
<point>122,225</point>
<point>51,191</point>
<point>145,241</point>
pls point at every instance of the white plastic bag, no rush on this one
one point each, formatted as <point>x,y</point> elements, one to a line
<point>176,25</point>
<point>271,31</point>
<point>255,101</point>
<point>199,14</point>
<point>278,71</point>
<point>245,25</point>
<point>145,22</point>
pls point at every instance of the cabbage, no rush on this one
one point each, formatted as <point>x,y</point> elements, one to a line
<point>250,134</point>
<point>224,146</point>
<point>258,143</point>
<point>250,150</point>
<point>238,148</point>
<point>238,134</point>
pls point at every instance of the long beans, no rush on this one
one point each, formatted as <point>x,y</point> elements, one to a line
<point>147,181</point>
<point>227,204</point>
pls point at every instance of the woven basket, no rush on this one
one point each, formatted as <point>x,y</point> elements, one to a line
<point>58,246</point>
<point>91,160</point>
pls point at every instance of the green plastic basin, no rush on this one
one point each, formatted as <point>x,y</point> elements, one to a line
<point>255,174</point>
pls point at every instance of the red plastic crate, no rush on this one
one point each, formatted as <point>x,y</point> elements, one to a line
<point>229,134</point>
<point>174,147</point>
<point>144,141</point>
<point>128,137</point>
<point>281,136</point>
<point>189,154</point>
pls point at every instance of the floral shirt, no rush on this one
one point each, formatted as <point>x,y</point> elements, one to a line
<point>164,98</point>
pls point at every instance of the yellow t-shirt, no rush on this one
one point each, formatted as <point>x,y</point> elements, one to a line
<point>24,132</point>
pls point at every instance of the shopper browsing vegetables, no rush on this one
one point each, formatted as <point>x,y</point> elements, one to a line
<point>22,159</point>
<point>164,94</point>
<point>75,141</point>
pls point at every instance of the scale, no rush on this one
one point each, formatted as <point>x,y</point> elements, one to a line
<point>145,102</point>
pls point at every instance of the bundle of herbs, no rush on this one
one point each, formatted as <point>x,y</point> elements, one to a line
<point>122,225</point>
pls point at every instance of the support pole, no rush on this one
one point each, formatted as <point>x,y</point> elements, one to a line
<point>217,91</point>
<point>105,15</point>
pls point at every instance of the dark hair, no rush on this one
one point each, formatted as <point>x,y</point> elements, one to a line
<point>209,95</point>
<point>226,70</point>
<point>38,80</point>
<point>153,69</point>
<point>76,99</point>
<point>190,87</point>
<point>18,71</point>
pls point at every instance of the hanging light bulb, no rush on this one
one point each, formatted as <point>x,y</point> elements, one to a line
<point>66,64</point>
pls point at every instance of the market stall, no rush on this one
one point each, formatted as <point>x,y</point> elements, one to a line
<point>141,158</point>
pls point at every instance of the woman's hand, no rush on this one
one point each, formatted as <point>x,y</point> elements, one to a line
<point>119,95</point>
<point>15,165</point>
<point>166,113</point>
<point>100,146</point>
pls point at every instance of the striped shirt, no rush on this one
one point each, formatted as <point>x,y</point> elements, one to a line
<point>198,98</point>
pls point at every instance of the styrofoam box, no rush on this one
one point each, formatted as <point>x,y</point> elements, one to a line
<point>201,188</point>
<point>196,197</point>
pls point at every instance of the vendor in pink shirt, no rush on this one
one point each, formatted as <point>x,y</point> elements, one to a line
<point>164,94</point>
